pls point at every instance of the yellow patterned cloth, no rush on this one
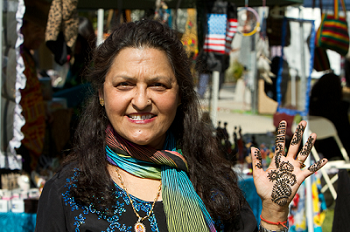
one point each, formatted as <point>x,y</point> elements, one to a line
<point>33,108</point>
<point>189,38</point>
<point>297,217</point>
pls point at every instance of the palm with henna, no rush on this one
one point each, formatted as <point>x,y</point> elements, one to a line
<point>278,184</point>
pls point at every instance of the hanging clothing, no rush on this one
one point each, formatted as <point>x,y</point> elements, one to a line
<point>33,108</point>
<point>189,38</point>
<point>62,29</point>
<point>219,26</point>
<point>222,27</point>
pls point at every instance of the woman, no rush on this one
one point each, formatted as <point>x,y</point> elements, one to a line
<point>144,160</point>
<point>326,100</point>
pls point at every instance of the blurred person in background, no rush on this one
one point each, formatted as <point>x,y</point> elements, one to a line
<point>326,100</point>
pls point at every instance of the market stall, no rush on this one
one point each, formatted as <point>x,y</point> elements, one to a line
<point>10,160</point>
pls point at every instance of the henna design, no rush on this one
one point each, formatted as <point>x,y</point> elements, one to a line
<point>273,175</point>
<point>257,153</point>
<point>316,166</point>
<point>278,154</point>
<point>286,166</point>
<point>281,131</point>
<point>298,135</point>
<point>281,128</point>
<point>288,178</point>
<point>307,148</point>
<point>279,139</point>
<point>281,192</point>
<point>284,179</point>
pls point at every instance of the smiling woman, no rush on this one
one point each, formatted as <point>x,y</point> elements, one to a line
<point>144,160</point>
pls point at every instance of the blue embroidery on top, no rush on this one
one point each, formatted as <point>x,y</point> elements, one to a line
<point>139,205</point>
<point>78,221</point>
<point>119,209</point>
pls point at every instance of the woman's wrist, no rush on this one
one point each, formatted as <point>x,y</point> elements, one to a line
<point>274,220</point>
<point>263,229</point>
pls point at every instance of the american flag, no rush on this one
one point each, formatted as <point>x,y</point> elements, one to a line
<point>220,33</point>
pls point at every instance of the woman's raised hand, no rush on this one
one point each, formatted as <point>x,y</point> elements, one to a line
<point>278,184</point>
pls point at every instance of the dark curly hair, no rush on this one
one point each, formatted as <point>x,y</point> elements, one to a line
<point>209,172</point>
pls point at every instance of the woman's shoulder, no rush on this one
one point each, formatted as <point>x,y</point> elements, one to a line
<point>66,174</point>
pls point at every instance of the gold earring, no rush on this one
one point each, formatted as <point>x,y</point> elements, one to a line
<point>179,104</point>
<point>102,102</point>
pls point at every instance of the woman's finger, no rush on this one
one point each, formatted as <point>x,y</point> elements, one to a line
<point>306,150</point>
<point>280,143</point>
<point>296,140</point>
<point>315,167</point>
<point>256,160</point>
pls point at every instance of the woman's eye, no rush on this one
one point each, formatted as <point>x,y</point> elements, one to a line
<point>159,85</point>
<point>124,85</point>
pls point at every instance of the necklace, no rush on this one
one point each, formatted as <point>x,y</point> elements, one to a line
<point>139,226</point>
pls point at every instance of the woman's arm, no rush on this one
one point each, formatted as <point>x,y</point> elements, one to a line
<point>50,214</point>
<point>277,185</point>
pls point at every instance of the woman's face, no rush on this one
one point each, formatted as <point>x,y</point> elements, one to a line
<point>141,95</point>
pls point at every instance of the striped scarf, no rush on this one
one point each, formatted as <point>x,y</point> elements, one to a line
<point>184,209</point>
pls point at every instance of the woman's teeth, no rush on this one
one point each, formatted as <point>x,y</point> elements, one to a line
<point>140,117</point>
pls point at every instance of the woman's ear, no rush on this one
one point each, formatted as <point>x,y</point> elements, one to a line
<point>100,96</point>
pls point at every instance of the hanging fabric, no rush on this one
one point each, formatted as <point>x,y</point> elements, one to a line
<point>333,32</point>
<point>189,38</point>
<point>321,60</point>
<point>219,26</point>
<point>283,107</point>
<point>222,27</point>
<point>13,79</point>
<point>62,29</point>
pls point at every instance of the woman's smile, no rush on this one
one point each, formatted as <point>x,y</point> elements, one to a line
<point>141,118</point>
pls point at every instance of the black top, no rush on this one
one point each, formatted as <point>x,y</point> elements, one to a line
<point>57,211</point>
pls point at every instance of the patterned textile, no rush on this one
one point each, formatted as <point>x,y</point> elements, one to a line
<point>63,14</point>
<point>215,40</point>
<point>59,211</point>
<point>33,108</point>
<point>221,31</point>
<point>189,38</point>
<point>62,29</point>
<point>184,209</point>
<point>297,218</point>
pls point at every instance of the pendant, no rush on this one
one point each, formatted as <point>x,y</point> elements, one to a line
<point>139,226</point>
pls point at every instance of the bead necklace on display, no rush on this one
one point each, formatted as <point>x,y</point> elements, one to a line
<point>139,226</point>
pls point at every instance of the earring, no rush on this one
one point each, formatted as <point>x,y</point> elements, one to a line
<point>179,104</point>
<point>102,102</point>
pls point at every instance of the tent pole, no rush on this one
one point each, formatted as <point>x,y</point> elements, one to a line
<point>302,86</point>
<point>216,80</point>
<point>100,13</point>
<point>1,29</point>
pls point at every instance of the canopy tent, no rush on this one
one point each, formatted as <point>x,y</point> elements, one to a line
<point>147,4</point>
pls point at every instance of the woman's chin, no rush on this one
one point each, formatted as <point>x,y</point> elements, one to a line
<point>144,140</point>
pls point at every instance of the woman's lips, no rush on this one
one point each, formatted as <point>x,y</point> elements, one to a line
<point>141,118</point>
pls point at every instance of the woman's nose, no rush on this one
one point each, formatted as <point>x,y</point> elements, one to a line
<point>141,99</point>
